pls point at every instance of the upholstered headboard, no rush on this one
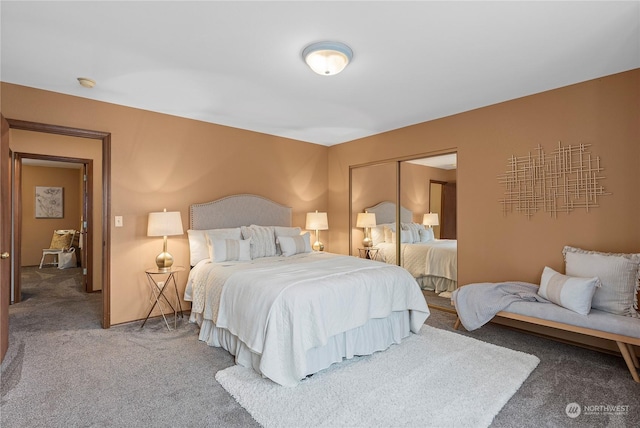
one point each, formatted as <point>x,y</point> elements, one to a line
<point>238,210</point>
<point>385,212</point>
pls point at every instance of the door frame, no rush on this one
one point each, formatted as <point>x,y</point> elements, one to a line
<point>5,235</point>
<point>105,138</point>
<point>87,215</point>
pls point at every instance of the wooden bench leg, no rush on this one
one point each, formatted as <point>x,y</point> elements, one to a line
<point>634,357</point>
<point>457,324</point>
<point>626,354</point>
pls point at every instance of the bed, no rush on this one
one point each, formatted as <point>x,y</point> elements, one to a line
<point>293,313</point>
<point>433,262</point>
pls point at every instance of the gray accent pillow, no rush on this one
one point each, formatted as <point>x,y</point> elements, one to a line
<point>618,273</point>
<point>263,240</point>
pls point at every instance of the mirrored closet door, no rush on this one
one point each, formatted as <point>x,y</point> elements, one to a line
<point>417,198</point>
<point>428,192</point>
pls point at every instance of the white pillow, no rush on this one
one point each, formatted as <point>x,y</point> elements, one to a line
<point>285,231</point>
<point>217,234</point>
<point>291,245</point>
<point>569,292</point>
<point>389,229</point>
<point>618,275</point>
<point>377,235</point>
<point>426,234</point>
<point>232,249</point>
<point>263,240</point>
<point>405,237</point>
<point>198,248</point>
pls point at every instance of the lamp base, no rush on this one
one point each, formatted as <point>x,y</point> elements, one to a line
<point>367,242</point>
<point>164,261</point>
<point>318,246</point>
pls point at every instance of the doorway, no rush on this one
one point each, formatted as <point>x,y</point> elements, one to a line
<point>443,201</point>
<point>104,139</point>
<point>78,175</point>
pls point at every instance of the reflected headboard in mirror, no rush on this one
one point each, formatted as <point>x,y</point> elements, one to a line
<point>385,212</point>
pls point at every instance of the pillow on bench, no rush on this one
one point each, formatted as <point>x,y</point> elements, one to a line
<point>569,292</point>
<point>618,274</point>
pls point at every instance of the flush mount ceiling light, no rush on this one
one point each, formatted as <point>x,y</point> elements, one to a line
<point>86,82</point>
<point>327,58</point>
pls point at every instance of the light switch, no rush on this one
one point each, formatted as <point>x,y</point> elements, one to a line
<point>119,221</point>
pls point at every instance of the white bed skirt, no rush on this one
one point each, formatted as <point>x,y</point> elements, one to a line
<point>376,335</point>
<point>437,283</point>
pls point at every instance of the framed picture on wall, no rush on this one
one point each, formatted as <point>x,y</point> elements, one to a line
<point>49,202</point>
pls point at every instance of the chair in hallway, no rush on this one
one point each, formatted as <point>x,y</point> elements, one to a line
<point>61,241</point>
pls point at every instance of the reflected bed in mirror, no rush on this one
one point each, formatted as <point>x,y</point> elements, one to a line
<point>433,262</point>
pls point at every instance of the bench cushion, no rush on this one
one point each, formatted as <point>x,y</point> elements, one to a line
<point>596,320</point>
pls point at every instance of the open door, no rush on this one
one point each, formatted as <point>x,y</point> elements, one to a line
<point>5,237</point>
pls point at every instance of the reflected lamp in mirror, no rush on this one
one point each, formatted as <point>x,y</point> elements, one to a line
<point>430,220</point>
<point>317,221</point>
<point>366,221</point>
<point>164,224</point>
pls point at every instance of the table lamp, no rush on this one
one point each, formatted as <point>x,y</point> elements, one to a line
<point>366,221</point>
<point>164,224</point>
<point>317,221</point>
<point>430,220</point>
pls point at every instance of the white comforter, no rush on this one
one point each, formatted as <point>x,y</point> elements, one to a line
<point>281,307</point>
<point>438,257</point>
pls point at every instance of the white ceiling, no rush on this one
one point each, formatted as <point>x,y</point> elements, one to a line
<point>239,63</point>
<point>51,164</point>
<point>448,161</point>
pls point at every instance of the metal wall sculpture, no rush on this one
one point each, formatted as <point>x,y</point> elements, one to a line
<point>566,179</point>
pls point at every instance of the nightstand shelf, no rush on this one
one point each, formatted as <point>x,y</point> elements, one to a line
<point>370,253</point>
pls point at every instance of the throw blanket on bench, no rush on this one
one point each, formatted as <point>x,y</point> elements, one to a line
<point>478,304</point>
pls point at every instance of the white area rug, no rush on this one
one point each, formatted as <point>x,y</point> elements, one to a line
<point>432,379</point>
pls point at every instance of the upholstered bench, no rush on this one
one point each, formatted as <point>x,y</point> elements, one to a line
<point>624,330</point>
<point>598,297</point>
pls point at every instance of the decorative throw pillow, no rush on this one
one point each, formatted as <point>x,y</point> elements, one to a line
<point>569,292</point>
<point>291,245</point>
<point>426,234</point>
<point>405,237</point>
<point>618,275</point>
<point>232,249</point>
<point>284,231</point>
<point>263,240</point>
<point>414,231</point>
<point>218,234</point>
<point>61,241</point>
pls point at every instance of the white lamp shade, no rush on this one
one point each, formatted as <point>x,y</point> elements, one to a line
<point>430,219</point>
<point>317,221</point>
<point>327,58</point>
<point>164,224</point>
<point>366,220</point>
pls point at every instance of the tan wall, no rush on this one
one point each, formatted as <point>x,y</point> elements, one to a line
<point>37,232</point>
<point>161,161</point>
<point>415,181</point>
<point>492,247</point>
<point>72,147</point>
